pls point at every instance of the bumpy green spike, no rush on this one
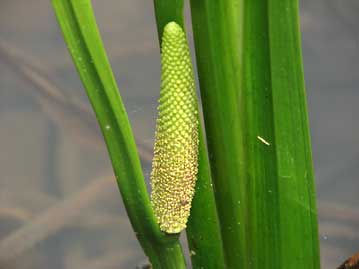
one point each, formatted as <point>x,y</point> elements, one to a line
<point>175,161</point>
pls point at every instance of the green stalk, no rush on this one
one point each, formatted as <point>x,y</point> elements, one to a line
<point>294,156</point>
<point>250,70</point>
<point>167,11</point>
<point>81,34</point>
<point>203,232</point>
<point>217,40</point>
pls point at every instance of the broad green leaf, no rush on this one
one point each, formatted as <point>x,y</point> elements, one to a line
<point>250,71</point>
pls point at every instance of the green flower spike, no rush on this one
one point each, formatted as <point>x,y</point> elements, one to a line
<point>175,161</point>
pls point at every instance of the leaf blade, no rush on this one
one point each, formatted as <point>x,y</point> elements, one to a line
<point>249,117</point>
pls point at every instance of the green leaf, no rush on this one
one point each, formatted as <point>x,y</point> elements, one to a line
<point>168,11</point>
<point>250,71</point>
<point>203,231</point>
<point>81,34</point>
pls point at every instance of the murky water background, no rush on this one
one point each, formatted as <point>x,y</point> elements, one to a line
<point>59,204</point>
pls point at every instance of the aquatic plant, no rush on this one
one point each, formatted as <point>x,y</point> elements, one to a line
<point>254,202</point>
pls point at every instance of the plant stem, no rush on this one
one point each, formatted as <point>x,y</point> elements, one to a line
<point>219,66</point>
<point>203,231</point>
<point>168,11</point>
<point>168,256</point>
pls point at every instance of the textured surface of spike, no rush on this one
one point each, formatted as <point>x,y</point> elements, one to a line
<point>175,161</point>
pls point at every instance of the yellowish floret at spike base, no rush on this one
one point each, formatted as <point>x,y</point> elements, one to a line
<point>175,161</point>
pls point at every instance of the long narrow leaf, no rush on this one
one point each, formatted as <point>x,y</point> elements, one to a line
<point>250,71</point>
<point>217,31</point>
<point>168,11</point>
<point>203,230</point>
<point>297,200</point>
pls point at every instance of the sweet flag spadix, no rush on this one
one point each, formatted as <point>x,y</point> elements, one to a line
<point>175,161</point>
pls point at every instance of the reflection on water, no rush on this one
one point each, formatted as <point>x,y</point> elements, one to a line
<point>59,204</point>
